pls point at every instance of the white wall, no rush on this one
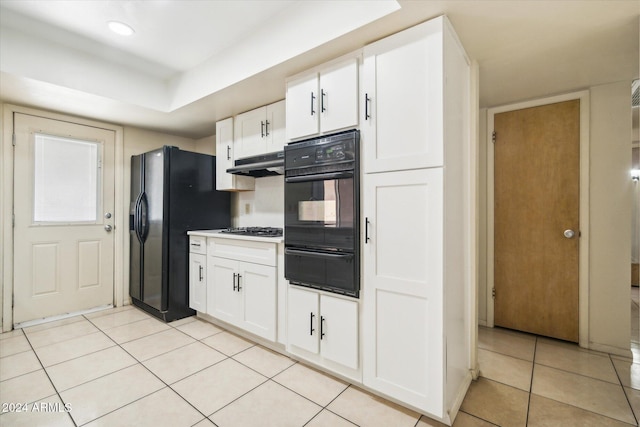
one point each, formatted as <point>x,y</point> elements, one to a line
<point>206,145</point>
<point>610,216</point>
<point>263,207</point>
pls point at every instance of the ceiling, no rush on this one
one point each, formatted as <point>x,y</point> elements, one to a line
<point>190,63</point>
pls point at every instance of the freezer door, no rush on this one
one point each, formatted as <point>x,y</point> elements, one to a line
<point>135,264</point>
<point>152,224</point>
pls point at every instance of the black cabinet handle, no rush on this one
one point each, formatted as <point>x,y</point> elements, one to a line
<point>239,276</point>
<point>366,230</point>
<point>261,129</point>
<point>311,330</point>
<point>313,98</point>
<point>322,94</point>
<point>322,327</point>
<point>367,116</point>
<point>234,281</point>
<point>266,128</point>
<point>200,270</point>
<point>228,152</point>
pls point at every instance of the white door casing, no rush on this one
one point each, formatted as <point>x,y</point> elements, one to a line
<point>63,262</point>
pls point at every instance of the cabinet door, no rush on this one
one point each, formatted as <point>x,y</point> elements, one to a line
<point>339,96</point>
<point>223,300</point>
<point>302,106</point>
<point>276,127</point>
<point>258,287</point>
<point>198,282</point>
<point>303,319</point>
<point>249,133</point>
<point>339,330</point>
<point>402,95</point>
<point>225,160</point>
<point>403,282</point>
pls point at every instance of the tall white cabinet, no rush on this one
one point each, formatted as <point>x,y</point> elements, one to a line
<point>415,140</point>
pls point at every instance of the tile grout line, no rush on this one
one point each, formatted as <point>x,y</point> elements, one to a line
<point>623,390</point>
<point>533,368</point>
<point>49,378</point>
<point>152,373</point>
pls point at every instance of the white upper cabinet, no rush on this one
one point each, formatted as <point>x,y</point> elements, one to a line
<point>225,160</point>
<point>402,96</point>
<point>339,96</point>
<point>302,106</point>
<point>323,100</point>
<point>260,131</point>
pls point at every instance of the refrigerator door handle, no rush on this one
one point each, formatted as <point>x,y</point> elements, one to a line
<point>136,217</point>
<point>144,220</point>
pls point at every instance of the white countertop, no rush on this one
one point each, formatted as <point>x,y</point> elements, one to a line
<point>217,233</point>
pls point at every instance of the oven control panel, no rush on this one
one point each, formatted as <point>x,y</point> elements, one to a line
<point>337,151</point>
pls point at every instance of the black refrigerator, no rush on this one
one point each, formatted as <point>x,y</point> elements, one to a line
<point>172,191</point>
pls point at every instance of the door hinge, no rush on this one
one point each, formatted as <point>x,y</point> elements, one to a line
<point>494,135</point>
<point>13,220</point>
<point>493,293</point>
<point>13,139</point>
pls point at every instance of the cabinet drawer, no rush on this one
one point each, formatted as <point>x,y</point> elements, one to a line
<point>198,245</point>
<point>243,250</point>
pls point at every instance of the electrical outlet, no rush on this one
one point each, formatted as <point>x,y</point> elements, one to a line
<point>247,208</point>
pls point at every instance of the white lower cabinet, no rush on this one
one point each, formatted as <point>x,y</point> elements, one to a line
<point>197,282</point>
<point>324,329</point>
<point>198,273</point>
<point>242,293</point>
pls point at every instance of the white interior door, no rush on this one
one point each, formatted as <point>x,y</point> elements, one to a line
<point>63,206</point>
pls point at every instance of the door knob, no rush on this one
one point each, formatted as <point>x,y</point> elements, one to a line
<point>569,234</point>
<point>107,215</point>
<point>108,228</point>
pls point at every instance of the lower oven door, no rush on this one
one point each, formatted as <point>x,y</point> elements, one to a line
<point>330,271</point>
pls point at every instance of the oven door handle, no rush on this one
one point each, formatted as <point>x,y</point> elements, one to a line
<point>316,254</point>
<point>319,177</point>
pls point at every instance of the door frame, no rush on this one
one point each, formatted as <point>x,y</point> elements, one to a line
<point>583,259</point>
<point>7,201</point>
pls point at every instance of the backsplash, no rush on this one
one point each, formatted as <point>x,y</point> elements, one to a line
<point>263,207</point>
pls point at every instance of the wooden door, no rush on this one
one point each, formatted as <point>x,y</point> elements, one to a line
<point>537,198</point>
<point>64,215</point>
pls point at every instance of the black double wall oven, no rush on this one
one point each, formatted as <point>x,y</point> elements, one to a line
<point>322,213</point>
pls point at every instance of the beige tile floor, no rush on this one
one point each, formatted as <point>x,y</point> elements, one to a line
<point>121,367</point>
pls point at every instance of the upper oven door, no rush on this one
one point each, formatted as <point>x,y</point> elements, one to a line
<point>321,211</point>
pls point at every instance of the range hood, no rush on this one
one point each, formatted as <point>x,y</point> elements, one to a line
<point>260,166</point>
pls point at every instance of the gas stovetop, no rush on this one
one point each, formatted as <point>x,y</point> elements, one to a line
<point>255,231</point>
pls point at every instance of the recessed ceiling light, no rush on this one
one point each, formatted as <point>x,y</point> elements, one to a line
<point>120,28</point>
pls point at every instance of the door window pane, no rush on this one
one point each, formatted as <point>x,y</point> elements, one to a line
<point>66,176</point>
